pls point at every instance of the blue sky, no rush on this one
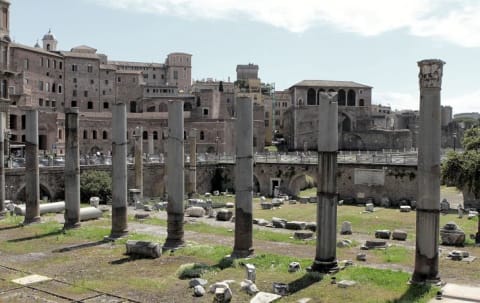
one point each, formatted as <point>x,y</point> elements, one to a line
<point>374,42</point>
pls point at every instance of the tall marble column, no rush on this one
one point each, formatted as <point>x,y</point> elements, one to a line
<point>2,163</point>
<point>138,136</point>
<point>428,176</point>
<point>32,174</point>
<point>119,171</point>
<point>176,179</point>
<point>325,254</point>
<point>192,176</point>
<point>72,169</point>
<point>243,245</point>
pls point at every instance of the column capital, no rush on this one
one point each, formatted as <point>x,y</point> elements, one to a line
<point>431,72</point>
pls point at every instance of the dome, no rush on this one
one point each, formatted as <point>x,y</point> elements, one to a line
<point>49,36</point>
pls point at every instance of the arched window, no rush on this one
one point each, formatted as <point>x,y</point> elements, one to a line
<point>202,135</point>
<point>145,135</point>
<point>155,135</point>
<point>311,97</point>
<point>341,97</point>
<point>94,134</point>
<point>361,102</point>
<point>85,134</point>
<point>351,98</point>
<point>187,107</point>
<point>104,135</point>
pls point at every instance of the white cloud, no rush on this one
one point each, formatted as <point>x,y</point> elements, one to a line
<point>456,21</point>
<point>466,103</point>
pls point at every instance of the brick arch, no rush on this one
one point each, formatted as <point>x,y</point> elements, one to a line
<point>44,191</point>
<point>296,183</point>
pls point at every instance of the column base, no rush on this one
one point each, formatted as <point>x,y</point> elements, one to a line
<point>31,220</point>
<point>173,244</point>
<point>324,267</point>
<point>71,225</point>
<point>117,234</point>
<point>417,280</point>
<point>240,254</point>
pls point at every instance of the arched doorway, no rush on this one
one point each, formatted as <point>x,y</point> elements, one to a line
<point>311,100</point>
<point>351,98</point>
<point>346,123</point>
<point>44,192</point>
<point>303,185</point>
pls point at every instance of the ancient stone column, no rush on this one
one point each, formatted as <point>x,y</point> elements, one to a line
<point>32,175</point>
<point>428,176</point>
<point>175,181</point>
<point>72,169</point>
<point>151,149</point>
<point>119,171</point>
<point>243,178</point>
<point>138,136</point>
<point>192,176</point>
<point>2,164</point>
<point>325,255</point>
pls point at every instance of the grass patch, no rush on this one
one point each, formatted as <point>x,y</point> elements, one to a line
<point>394,254</point>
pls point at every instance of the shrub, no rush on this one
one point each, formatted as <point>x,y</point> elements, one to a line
<point>96,183</point>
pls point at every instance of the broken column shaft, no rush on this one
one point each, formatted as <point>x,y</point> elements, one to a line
<point>32,176</point>
<point>192,176</point>
<point>119,170</point>
<point>138,136</point>
<point>72,169</point>
<point>175,181</point>
<point>243,178</point>
<point>325,256</point>
<point>428,200</point>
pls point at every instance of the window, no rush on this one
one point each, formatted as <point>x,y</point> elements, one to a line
<point>26,64</point>
<point>54,64</point>
<point>54,103</point>
<point>74,93</point>
<point>74,80</point>
<point>24,121</point>
<point>133,107</point>
<point>106,82</point>
<point>103,92</point>
<point>59,89</point>
<point>154,76</point>
<point>267,115</point>
<point>40,85</point>
<point>199,102</point>
<point>119,79</point>
<point>48,63</point>
<point>41,61</point>
<point>202,135</point>
<point>175,74</point>
<point>47,103</point>
<point>73,103</point>
<point>74,68</point>
<point>89,68</point>
<point>155,135</point>
<point>145,76</point>
<point>54,88</point>
<point>85,93</point>
<point>106,105</point>
<point>205,111</point>
<point>89,105</point>
<point>85,134</point>
<point>40,102</point>
<point>92,81</point>
<point>145,135</point>
<point>266,123</point>
<point>13,122</point>
<point>104,135</point>
<point>94,134</point>
<point>60,65</point>
<point>47,87</point>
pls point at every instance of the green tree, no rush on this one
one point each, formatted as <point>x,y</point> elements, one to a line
<point>463,169</point>
<point>96,183</point>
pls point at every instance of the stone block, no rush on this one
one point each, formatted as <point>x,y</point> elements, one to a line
<point>361,257</point>
<point>280,288</point>
<point>195,211</point>
<point>197,281</point>
<point>294,267</point>
<point>279,223</point>
<point>312,226</point>
<point>346,228</point>
<point>141,216</point>
<point>302,235</point>
<point>451,234</point>
<point>198,291</point>
<point>370,244</point>
<point>346,283</point>
<point>224,214</point>
<point>383,234</point>
<point>265,297</point>
<point>230,205</point>
<point>399,235</point>
<point>296,225</point>
<point>405,208</point>
<point>344,243</point>
<point>369,207</point>
<point>266,205</point>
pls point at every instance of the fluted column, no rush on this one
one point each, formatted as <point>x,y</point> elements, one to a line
<point>325,255</point>
<point>175,181</point>
<point>72,169</point>
<point>428,176</point>
<point>32,176</point>
<point>243,245</point>
<point>119,170</point>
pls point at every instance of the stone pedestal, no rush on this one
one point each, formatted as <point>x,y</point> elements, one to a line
<point>138,136</point>
<point>325,256</point>
<point>2,163</point>
<point>175,181</point>
<point>32,177</point>
<point>119,171</point>
<point>72,169</point>
<point>243,178</point>
<point>428,202</point>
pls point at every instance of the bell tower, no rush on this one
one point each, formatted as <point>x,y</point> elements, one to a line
<point>5,19</point>
<point>49,42</point>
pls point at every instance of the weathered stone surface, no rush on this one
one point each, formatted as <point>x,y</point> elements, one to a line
<point>344,243</point>
<point>261,222</point>
<point>312,226</point>
<point>451,234</point>
<point>405,208</point>
<point>346,228</point>
<point>266,205</point>
<point>294,266</point>
<point>369,244</point>
<point>224,214</point>
<point>195,211</point>
<point>278,222</point>
<point>302,235</point>
<point>382,234</point>
<point>280,288</point>
<point>292,201</point>
<point>265,297</point>
<point>140,216</point>
<point>346,283</point>
<point>143,248</point>
<point>444,205</point>
<point>147,208</point>
<point>361,257</point>
<point>400,235</point>
<point>369,207</point>
<point>197,281</point>
<point>94,201</point>
<point>249,287</point>
<point>304,300</point>
<point>276,202</point>
<point>230,205</point>
<point>251,272</point>
<point>198,291</point>
<point>295,225</point>
<point>222,292</point>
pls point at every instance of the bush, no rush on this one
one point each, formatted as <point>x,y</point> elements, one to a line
<point>96,183</point>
